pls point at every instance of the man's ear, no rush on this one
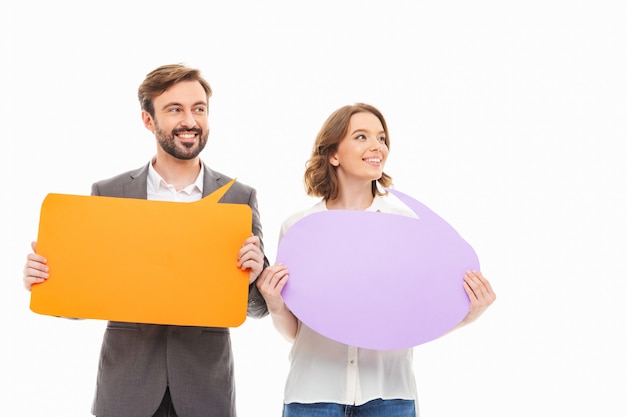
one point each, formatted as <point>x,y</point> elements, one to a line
<point>148,122</point>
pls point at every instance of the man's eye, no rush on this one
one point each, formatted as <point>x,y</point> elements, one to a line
<point>200,110</point>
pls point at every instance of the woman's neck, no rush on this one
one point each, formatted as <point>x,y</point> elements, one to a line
<point>351,199</point>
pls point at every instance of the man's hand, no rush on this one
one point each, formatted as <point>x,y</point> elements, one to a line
<point>251,258</point>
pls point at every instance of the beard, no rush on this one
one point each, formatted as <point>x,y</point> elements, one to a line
<point>183,151</point>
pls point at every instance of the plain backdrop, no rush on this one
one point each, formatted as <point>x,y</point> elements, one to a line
<point>505,118</point>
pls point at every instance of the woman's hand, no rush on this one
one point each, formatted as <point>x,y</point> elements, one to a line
<point>480,293</point>
<point>270,284</point>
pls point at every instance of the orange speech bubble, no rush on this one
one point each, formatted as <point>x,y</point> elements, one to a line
<point>143,261</point>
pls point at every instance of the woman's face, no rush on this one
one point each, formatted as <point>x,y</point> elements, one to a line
<point>362,153</point>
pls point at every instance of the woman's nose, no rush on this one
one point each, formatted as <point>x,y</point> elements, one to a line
<point>376,145</point>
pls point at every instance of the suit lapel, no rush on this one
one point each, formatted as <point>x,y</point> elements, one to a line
<point>212,181</point>
<point>137,187</point>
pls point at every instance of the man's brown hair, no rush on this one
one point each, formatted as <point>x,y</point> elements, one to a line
<point>162,78</point>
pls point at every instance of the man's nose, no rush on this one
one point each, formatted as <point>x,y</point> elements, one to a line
<point>188,119</point>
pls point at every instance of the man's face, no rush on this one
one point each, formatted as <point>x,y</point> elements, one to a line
<point>180,122</point>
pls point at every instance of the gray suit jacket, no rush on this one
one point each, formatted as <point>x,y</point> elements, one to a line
<point>138,361</point>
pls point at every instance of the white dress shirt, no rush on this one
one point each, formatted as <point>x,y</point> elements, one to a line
<point>323,370</point>
<point>158,189</point>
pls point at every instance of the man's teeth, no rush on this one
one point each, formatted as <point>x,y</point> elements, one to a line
<point>186,135</point>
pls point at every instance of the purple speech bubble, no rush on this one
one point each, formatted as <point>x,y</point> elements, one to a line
<point>377,280</point>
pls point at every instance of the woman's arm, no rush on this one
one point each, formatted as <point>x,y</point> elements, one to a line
<point>271,284</point>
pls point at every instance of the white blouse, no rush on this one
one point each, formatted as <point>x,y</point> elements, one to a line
<point>323,370</point>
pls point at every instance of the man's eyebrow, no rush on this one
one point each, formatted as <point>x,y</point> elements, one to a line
<point>175,103</point>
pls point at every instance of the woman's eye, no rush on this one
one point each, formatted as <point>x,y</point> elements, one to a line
<point>382,139</point>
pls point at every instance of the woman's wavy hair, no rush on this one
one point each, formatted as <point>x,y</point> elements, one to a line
<point>320,176</point>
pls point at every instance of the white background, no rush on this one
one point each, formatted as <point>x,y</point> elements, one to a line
<point>506,119</point>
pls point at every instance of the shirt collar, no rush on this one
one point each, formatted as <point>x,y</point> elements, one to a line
<point>156,182</point>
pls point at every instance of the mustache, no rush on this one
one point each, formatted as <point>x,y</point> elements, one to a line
<point>182,130</point>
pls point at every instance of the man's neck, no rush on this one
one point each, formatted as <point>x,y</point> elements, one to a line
<point>177,172</point>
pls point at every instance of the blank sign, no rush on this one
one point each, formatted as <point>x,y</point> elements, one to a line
<point>377,280</point>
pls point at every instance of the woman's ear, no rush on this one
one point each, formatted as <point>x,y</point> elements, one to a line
<point>334,161</point>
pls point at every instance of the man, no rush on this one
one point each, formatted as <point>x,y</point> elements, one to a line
<point>158,370</point>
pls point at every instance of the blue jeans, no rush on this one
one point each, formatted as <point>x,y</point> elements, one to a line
<point>374,408</point>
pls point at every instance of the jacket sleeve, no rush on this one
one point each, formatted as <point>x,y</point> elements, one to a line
<point>257,307</point>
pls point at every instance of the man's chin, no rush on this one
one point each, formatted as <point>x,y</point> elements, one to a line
<point>188,152</point>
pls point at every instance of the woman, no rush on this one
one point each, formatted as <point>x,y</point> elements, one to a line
<point>328,378</point>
